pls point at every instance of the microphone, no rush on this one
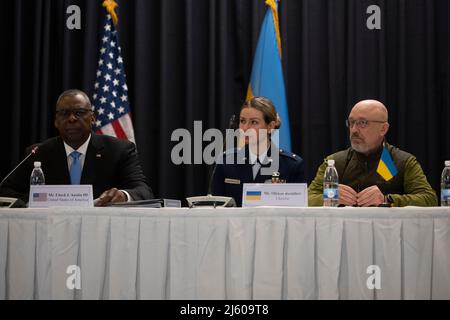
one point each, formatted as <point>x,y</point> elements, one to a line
<point>33,151</point>
<point>232,122</point>
<point>211,180</point>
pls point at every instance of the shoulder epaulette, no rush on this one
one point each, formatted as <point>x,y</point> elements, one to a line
<point>289,154</point>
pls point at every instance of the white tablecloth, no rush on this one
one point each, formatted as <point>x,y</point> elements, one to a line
<point>252,253</point>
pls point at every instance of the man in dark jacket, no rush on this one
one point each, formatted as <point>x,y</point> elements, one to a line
<point>79,156</point>
<point>360,184</point>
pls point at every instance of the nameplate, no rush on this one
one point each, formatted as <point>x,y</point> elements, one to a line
<point>275,194</point>
<point>45,196</point>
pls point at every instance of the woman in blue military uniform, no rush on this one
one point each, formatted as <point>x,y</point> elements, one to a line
<point>256,162</point>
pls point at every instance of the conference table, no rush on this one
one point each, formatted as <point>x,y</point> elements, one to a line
<point>225,253</point>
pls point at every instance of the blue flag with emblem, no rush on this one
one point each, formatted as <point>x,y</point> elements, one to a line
<point>386,167</point>
<point>267,72</point>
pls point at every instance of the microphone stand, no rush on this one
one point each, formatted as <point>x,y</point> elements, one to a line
<point>33,151</point>
<point>15,202</point>
<point>209,198</point>
<point>231,125</point>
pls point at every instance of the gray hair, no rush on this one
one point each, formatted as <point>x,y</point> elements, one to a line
<point>74,92</point>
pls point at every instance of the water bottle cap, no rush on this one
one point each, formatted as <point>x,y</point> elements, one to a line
<point>447,163</point>
<point>330,162</point>
<point>37,164</point>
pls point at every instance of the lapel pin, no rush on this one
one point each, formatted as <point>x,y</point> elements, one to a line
<point>98,155</point>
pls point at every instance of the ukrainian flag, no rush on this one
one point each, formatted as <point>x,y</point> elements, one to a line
<point>386,167</point>
<point>267,72</point>
<point>253,195</point>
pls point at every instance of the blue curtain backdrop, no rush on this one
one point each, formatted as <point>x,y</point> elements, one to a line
<point>191,60</point>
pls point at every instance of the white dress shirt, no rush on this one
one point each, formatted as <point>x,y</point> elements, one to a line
<point>83,149</point>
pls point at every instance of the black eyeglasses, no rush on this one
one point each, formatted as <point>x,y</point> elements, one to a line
<point>78,113</point>
<point>360,123</point>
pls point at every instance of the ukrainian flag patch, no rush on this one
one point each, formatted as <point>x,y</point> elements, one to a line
<point>386,167</point>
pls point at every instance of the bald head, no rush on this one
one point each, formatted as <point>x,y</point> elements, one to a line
<point>368,125</point>
<point>374,109</point>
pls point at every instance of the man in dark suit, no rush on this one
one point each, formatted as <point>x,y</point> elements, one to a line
<point>109,164</point>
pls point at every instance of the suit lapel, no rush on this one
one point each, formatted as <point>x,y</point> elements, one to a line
<point>245,170</point>
<point>267,163</point>
<point>59,166</point>
<point>93,154</point>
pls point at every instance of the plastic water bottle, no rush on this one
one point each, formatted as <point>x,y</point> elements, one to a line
<point>330,186</point>
<point>37,175</point>
<point>445,185</point>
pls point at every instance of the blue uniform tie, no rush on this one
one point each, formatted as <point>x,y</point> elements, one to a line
<point>75,168</point>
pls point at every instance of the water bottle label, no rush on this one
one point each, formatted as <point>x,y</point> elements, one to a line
<point>445,194</point>
<point>331,193</point>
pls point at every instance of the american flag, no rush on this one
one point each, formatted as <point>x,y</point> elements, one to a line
<point>110,99</point>
<point>39,196</point>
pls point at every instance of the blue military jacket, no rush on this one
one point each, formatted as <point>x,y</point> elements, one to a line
<point>236,169</point>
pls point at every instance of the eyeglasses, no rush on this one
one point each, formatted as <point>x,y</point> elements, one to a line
<point>360,123</point>
<point>78,113</point>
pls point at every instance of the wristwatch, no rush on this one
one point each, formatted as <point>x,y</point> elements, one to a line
<point>389,200</point>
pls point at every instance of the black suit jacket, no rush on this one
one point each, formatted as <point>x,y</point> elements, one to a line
<point>109,163</point>
<point>229,178</point>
